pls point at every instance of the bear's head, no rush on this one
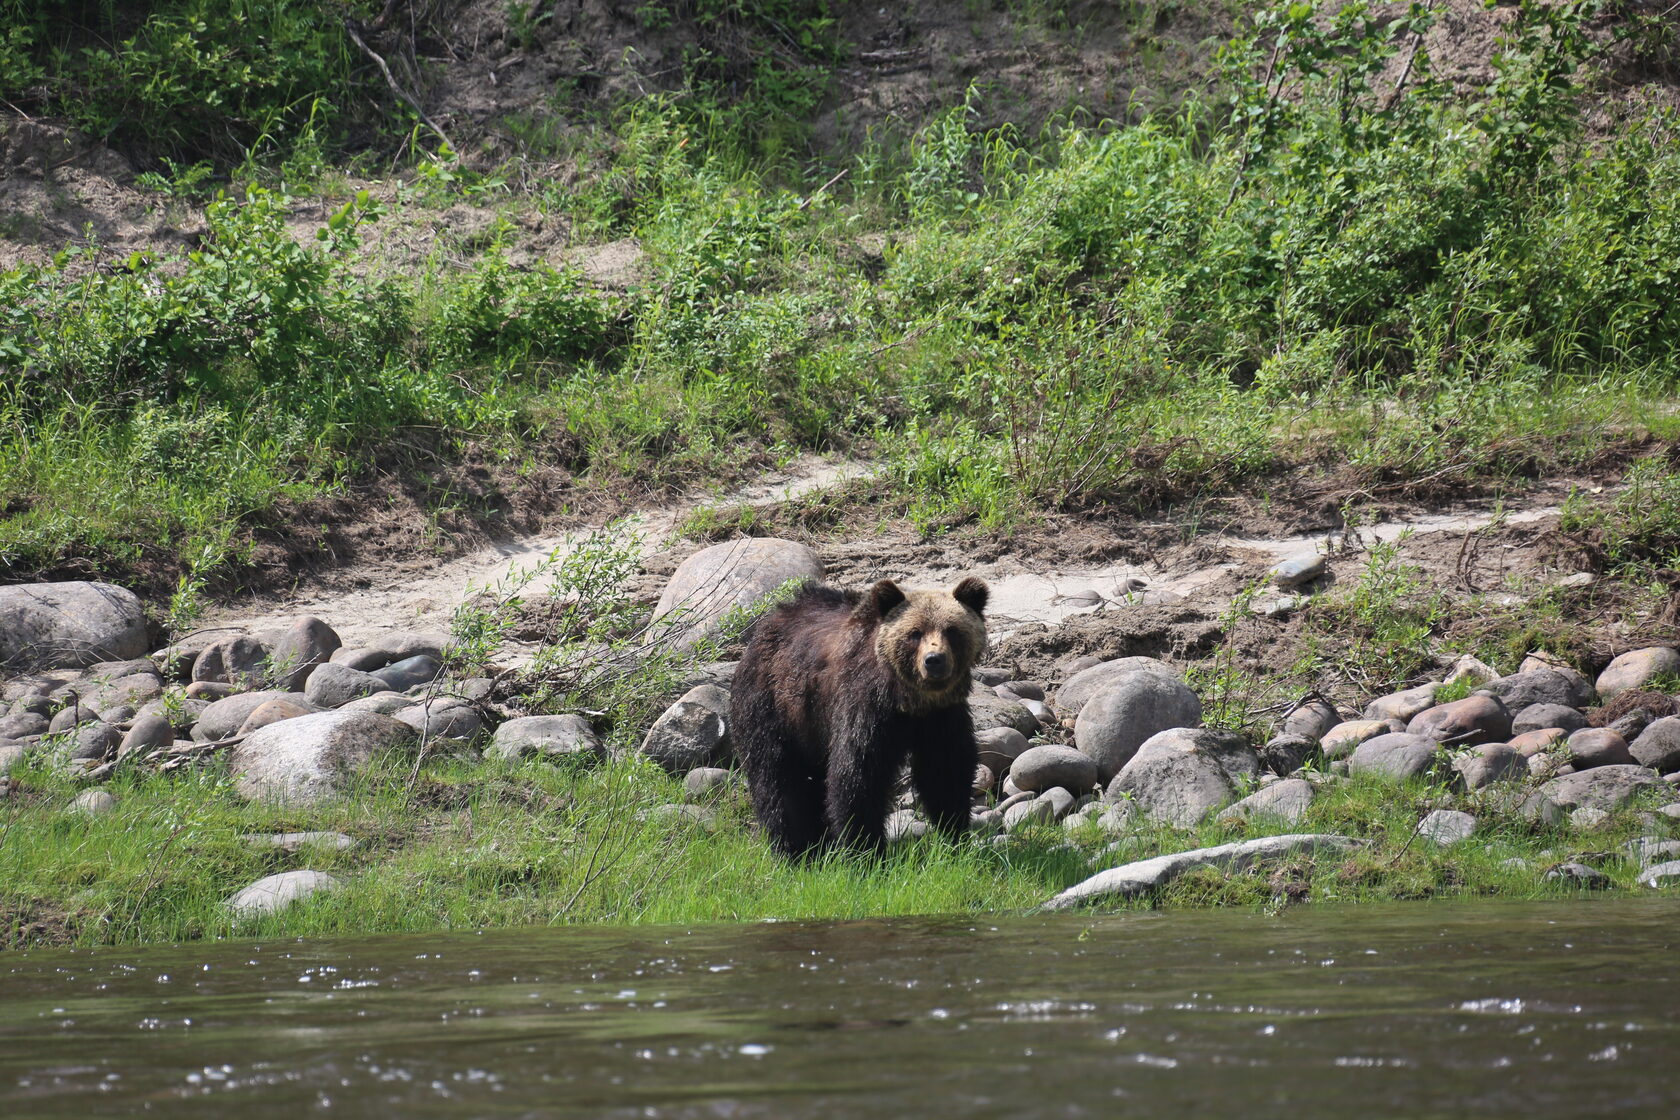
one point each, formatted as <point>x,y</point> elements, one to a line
<point>929,639</point>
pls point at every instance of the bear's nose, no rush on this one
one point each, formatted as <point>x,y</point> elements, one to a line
<point>936,664</point>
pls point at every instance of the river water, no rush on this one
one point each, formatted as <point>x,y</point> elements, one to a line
<point>1557,1009</point>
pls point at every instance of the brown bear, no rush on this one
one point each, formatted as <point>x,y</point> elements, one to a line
<point>836,689</point>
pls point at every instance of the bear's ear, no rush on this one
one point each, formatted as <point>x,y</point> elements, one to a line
<point>972,593</point>
<point>880,599</point>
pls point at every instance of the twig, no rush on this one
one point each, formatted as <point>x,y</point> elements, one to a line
<point>1406,71</point>
<point>355,37</point>
<point>839,175</point>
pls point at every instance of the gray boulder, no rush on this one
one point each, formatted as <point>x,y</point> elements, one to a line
<point>1180,775</point>
<point>705,781</point>
<point>693,732</point>
<point>1603,787</point>
<point>331,685</point>
<point>146,734</point>
<point>239,660</point>
<point>1340,741</point>
<point>1466,722</point>
<point>1398,756</point>
<point>304,644</point>
<point>1636,669</point>
<point>1403,706</point>
<point>274,893</point>
<point>1312,719</point>
<point>1446,827</point>
<point>21,725</point>
<point>385,703</point>
<point>1114,723</point>
<point>1050,767</point>
<point>309,759</point>
<point>1133,879</point>
<point>1088,682</point>
<point>1298,570</point>
<point>1284,754</point>
<point>443,717</point>
<point>1543,686</point>
<point>1661,875</point>
<point>72,624</point>
<point>1492,762</point>
<point>275,710</point>
<point>563,737</point>
<point>225,717</point>
<point>999,747</point>
<point>990,711</point>
<point>1598,746</point>
<point>734,574</point>
<point>1658,746</point>
<point>1287,800</point>
<point>94,742</point>
<point>1537,717</point>
<point>93,803</point>
<point>420,669</point>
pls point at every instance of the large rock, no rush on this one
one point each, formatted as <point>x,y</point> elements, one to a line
<point>239,660</point>
<point>1543,686</point>
<point>276,892</point>
<point>1285,754</point>
<point>306,643</point>
<point>1466,722</point>
<point>422,668</point>
<point>1049,767</point>
<point>1088,682</point>
<point>1636,669</point>
<point>1598,746</point>
<point>1658,746</point>
<point>1490,763</point>
<point>443,717</point>
<point>1603,787</point>
<point>1180,775</point>
<point>225,717</point>
<point>559,738</point>
<point>1398,756</point>
<point>719,579</point>
<point>1114,723</point>
<point>69,625</point>
<point>990,711</point>
<point>692,733</point>
<point>1133,879</point>
<point>1287,800</point>
<point>148,733</point>
<point>999,747</point>
<point>1340,741</point>
<point>1446,827</point>
<point>129,691</point>
<point>330,685</point>
<point>1538,717</point>
<point>1403,706</point>
<point>306,760</point>
<point>1312,719</point>
<point>273,711</point>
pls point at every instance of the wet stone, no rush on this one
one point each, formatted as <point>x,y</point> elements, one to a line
<point>1578,875</point>
<point>1661,875</point>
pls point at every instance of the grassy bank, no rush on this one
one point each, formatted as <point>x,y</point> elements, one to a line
<point>457,846</point>
<point>1393,290</point>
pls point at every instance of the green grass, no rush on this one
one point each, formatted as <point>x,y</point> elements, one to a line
<point>464,846</point>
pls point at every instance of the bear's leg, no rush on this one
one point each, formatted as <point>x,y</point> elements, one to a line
<point>942,768</point>
<point>787,799</point>
<point>859,783</point>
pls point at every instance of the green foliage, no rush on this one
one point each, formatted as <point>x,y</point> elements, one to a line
<point>1639,528</point>
<point>186,79</point>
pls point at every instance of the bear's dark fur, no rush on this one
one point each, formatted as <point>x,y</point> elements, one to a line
<point>836,690</point>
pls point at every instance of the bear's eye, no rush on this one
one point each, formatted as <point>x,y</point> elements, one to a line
<point>915,635</point>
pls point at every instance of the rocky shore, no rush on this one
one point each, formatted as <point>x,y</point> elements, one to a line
<point>1105,749</point>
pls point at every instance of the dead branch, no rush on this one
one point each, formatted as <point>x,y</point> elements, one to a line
<point>403,95</point>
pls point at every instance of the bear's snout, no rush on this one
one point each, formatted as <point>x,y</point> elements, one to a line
<point>936,665</point>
